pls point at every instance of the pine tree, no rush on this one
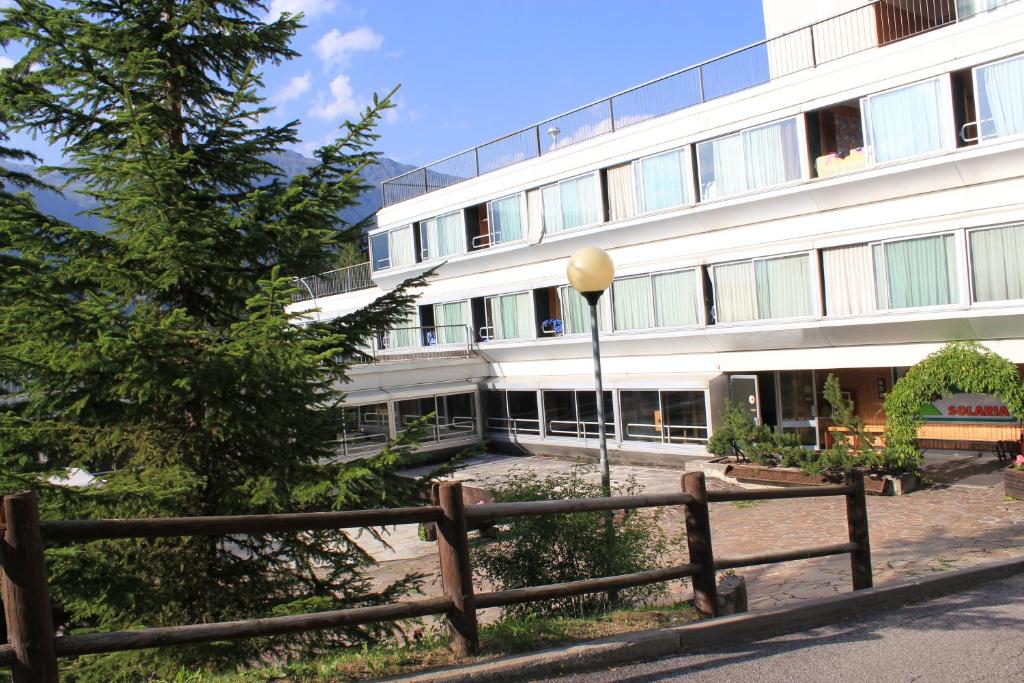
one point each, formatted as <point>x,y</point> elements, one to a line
<point>159,353</point>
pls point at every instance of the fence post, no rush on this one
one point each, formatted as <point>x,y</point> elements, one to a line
<point>698,539</point>
<point>25,593</point>
<point>857,521</point>
<point>456,572</point>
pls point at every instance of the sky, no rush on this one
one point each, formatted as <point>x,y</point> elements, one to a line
<point>473,70</point>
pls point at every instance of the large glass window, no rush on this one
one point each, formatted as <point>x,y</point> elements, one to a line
<point>663,180</point>
<point>380,258</point>
<point>393,249</point>
<point>574,414</point>
<point>657,300</point>
<point>512,412</point>
<point>763,289</point>
<point>451,321</point>
<point>632,303</point>
<point>506,219</point>
<point>364,430</point>
<point>442,236</point>
<point>572,203</point>
<point>663,416</point>
<point>404,334</point>
<point>999,98</point>
<point>508,316</point>
<point>906,122</point>
<point>749,160</point>
<point>997,263</point>
<point>576,312</point>
<point>454,415</point>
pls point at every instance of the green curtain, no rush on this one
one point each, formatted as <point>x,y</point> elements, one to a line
<point>631,303</point>
<point>511,316</point>
<point>735,292</point>
<point>783,287</point>
<point>552,209</point>
<point>676,300</point>
<point>580,199</point>
<point>997,263</point>
<point>450,238</point>
<point>449,322</point>
<point>920,272</point>
<point>576,312</point>
<point>662,181</point>
<point>406,333</point>
<point>506,220</point>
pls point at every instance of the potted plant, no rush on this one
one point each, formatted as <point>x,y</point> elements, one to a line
<point>1013,479</point>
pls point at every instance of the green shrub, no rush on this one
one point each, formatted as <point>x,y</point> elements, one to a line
<point>761,444</point>
<point>535,551</point>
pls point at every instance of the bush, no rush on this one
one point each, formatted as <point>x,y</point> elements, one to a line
<point>760,444</point>
<point>534,551</point>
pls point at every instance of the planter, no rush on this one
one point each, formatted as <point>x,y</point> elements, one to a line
<point>874,484</point>
<point>1013,483</point>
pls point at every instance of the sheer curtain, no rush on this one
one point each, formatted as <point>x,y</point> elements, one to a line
<point>580,201</point>
<point>510,315</point>
<point>783,287</point>
<point>552,209</point>
<point>997,263</point>
<point>763,156</point>
<point>730,173</point>
<point>576,312</point>
<point>506,220</point>
<point>449,322</point>
<point>661,181</point>
<point>403,247</point>
<point>846,271</point>
<point>451,237</point>
<point>920,272</point>
<point>534,216</point>
<point>1001,99</point>
<point>632,303</point>
<point>676,299</point>
<point>735,292</point>
<point>405,333</point>
<point>968,8</point>
<point>905,122</point>
<point>622,199</point>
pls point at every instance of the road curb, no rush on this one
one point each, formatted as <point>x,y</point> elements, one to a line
<point>757,625</point>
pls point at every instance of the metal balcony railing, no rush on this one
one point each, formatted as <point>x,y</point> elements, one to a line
<point>416,343</point>
<point>876,24</point>
<point>338,281</point>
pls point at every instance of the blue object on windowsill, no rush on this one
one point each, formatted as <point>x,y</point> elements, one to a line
<point>552,326</point>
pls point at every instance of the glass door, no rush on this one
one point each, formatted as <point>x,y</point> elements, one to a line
<point>743,392</point>
<point>798,405</point>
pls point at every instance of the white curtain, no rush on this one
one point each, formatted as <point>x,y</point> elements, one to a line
<point>576,312</point>
<point>511,316</point>
<point>534,216</point>
<point>905,122</point>
<point>405,333</point>
<point>735,292</point>
<point>676,299</point>
<point>783,287</point>
<point>997,263</point>
<point>581,199</point>
<point>763,155</point>
<point>968,8</point>
<point>451,238</point>
<point>506,220</point>
<point>403,247</point>
<point>1001,99</point>
<point>847,272</point>
<point>661,181</point>
<point>552,209</point>
<point>450,322</point>
<point>621,193</point>
<point>632,303</point>
<point>730,174</point>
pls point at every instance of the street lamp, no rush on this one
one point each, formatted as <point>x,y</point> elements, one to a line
<point>590,273</point>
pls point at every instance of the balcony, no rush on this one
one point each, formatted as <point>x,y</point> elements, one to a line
<point>876,24</point>
<point>420,343</point>
<point>340,281</point>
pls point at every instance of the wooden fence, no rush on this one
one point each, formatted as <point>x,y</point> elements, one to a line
<point>34,648</point>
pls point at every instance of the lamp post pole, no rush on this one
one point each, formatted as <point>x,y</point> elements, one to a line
<point>595,344</point>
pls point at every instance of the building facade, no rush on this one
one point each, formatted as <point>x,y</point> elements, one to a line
<point>844,197</point>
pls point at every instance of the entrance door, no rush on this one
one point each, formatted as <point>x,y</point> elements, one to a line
<point>798,406</point>
<point>743,392</point>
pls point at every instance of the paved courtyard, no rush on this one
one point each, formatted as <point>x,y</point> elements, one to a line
<point>945,526</point>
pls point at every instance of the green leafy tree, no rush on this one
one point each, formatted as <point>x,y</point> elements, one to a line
<point>160,353</point>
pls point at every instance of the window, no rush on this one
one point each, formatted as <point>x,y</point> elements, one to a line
<point>658,300</point>
<point>763,289</point>
<point>663,180</point>
<point>968,8</point>
<point>835,138</point>
<point>442,236</point>
<point>910,273</point>
<point>405,333</point>
<point>574,414</point>
<point>506,219</point>
<point>507,316</point>
<point>450,324</point>
<point>999,99</point>
<point>663,416</point>
<point>576,312</point>
<point>512,412</point>
<point>393,249</point>
<point>997,263</point>
<point>454,415</point>
<point>749,160</point>
<point>906,122</point>
<point>364,430</point>
<point>572,203</point>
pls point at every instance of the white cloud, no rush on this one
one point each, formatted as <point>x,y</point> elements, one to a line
<point>295,88</point>
<point>6,62</point>
<point>335,47</point>
<point>343,102</point>
<point>309,8</point>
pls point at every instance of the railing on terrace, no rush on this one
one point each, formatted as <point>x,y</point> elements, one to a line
<point>34,646</point>
<point>415,343</point>
<point>876,24</point>
<point>333,282</point>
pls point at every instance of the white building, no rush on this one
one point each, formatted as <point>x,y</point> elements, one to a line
<point>844,197</point>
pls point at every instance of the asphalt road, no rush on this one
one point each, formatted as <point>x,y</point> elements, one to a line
<point>972,636</point>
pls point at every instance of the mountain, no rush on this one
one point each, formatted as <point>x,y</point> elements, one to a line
<point>68,205</point>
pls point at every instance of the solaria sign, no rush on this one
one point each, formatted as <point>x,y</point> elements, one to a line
<point>966,408</point>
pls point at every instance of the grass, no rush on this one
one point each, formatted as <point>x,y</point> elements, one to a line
<point>505,637</point>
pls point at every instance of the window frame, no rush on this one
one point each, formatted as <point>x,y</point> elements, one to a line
<point>977,104</point>
<point>488,315</point>
<point>958,257</point>
<point>813,282</point>
<point>389,232</point>
<point>523,219</point>
<point>971,302</point>
<point>596,175</point>
<point>946,121</point>
<point>661,409</point>
<point>802,155</point>
<point>424,257</point>
<point>686,151</point>
<point>694,270</point>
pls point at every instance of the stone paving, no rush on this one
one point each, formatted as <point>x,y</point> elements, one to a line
<point>934,529</point>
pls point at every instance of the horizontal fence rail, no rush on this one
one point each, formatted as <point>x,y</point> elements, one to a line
<point>873,25</point>
<point>34,647</point>
<point>340,281</point>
